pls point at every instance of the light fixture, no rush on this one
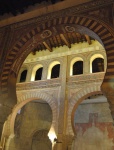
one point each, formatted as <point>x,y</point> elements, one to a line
<point>52,134</point>
<point>56,140</point>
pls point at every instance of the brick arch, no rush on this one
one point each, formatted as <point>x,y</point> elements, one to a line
<point>98,29</point>
<point>26,98</point>
<point>89,25</point>
<point>75,100</point>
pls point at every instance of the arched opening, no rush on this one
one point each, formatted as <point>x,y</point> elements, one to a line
<point>23,76</point>
<point>32,118</point>
<point>98,65</point>
<point>38,75</point>
<point>55,71</point>
<point>96,28</point>
<point>93,123</point>
<point>37,72</point>
<point>78,68</point>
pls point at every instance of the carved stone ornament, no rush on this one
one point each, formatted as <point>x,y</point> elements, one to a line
<point>46,34</point>
<point>70,29</point>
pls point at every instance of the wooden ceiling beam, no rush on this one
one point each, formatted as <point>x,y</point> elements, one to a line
<point>88,39</point>
<point>61,41</point>
<point>47,46</point>
<point>65,40</point>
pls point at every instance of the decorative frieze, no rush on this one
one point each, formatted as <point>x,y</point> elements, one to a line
<point>38,84</point>
<point>86,78</point>
<point>65,12</point>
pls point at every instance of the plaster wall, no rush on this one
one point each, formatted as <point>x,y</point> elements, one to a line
<point>94,125</point>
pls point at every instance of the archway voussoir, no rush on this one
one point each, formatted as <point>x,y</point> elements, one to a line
<point>40,95</point>
<point>82,94</point>
<point>98,88</point>
<point>52,105</point>
<point>73,102</point>
<point>54,109</point>
<point>48,99</point>
<point>37,94</point>
<point>76,100</point>
<point>28,96</point>
<point>85,92</point>
<point>44,96</point>
<point>92,89</point>
<point>89,90</point>
<point>78,96</point>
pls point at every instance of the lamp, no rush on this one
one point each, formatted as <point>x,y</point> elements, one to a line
<point>52,134</point>
<point>56,140</point>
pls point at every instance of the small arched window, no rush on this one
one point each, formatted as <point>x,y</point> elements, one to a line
<point>98,65</point>
<point>37,72</point>
<point>55,71</point>
<point>38,75</point>
<point>23,76</point>
<point>78,68</point>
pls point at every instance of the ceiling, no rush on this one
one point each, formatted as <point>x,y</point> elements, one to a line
<point>62,39</point>
<point>15,7</point>
<point>19,6</point>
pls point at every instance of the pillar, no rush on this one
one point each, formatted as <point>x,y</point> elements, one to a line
<point>86,67</point>
<point>29,73</point>
<point>45,72</point>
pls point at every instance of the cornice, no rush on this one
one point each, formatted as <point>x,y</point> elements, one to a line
<point>65,12</point>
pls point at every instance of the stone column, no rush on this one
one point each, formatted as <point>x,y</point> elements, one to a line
<point>59,146</point>
<point>29,73</point>
<point>105,64</point>
<point>62,138</point>
<point>45,72</point>
<point>86,67</point>
<point>64,142</point>
<point>62,101</point>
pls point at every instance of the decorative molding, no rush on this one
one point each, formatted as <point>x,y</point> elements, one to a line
<point>66,12</point>
<point>85,78</point>
<point>39,84</point>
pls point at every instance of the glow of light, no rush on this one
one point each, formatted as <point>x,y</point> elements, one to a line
<point>52,134</point>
